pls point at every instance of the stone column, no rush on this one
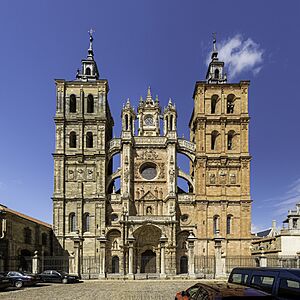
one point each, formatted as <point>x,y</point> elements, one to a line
<point>102,240</point>
<point>77,253</point>
<point>298,260</point>
<point>191,259</point>
<point>35,263</point>
<point>130,240</point>
<point>219,261</point>
<point>262,258</point>
<point>163,241</point>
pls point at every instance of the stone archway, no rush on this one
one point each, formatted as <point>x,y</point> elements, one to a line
<point>148,262</point>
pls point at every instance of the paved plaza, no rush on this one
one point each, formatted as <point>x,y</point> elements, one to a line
<point>109,289</point>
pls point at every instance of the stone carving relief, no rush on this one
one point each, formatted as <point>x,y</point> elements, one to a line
<point>90,174</point>
<point>222,177</point>
<point>161,171</point>
<point>80,173</point>
<point>148,154</point>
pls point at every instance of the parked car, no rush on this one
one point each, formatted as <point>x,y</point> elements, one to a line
<point>282,283</point>
<point>57,276</point>
<point>19,279</point>
<point>4,282</point>
<point>220,290</point>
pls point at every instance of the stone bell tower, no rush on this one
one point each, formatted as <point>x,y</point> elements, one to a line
<point>83,128</point>
<point>219,128</point>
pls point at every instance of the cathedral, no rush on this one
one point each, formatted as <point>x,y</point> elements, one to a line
<point>146,223</point>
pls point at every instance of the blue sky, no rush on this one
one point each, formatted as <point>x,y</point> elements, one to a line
<point>164,44</point>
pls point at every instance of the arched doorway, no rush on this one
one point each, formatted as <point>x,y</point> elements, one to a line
<point>25,263</point>
<point>147,249</point>
<point>148,263</point>
<point>183,265</point>
<point>115,264</point>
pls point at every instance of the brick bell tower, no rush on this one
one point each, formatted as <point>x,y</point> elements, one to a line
<point>219,128</point>
<point>83,127</point>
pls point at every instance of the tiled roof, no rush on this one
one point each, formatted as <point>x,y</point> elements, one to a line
<point>264,233</point>
<point>4,208</point>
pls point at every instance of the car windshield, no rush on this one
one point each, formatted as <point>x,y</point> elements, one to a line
<point>62,272</point>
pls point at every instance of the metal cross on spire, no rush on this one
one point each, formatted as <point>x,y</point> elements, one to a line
<point>214,41</point>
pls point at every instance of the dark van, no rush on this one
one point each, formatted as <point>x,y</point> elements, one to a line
<point>282,283</point>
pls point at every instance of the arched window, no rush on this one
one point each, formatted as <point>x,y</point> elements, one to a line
<point>216,224</point>
<point>90,104</point>
<point>230,104</point>
<point>72,140</point>
<point>89,139</point>
<point>27,235</point>
<point>214,136</point>
<point>214,100</point>
<point>72,222</point>
<point>217,73</point>
<point>131,124</point>
<point>171,122</point>
<point>126,122</point>
<point>72,103</point>
<point>230,136</point>
<point>228,224</point>
<point>86,222</point>
<point>88,71</point>
<point>115,264</point>
<point>44,239</point>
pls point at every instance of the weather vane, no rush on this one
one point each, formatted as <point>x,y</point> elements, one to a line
<point>91,31</point>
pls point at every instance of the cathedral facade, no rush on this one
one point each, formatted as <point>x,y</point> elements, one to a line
<point>146,223</point>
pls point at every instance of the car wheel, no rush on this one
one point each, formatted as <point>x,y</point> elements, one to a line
<point>65,280</point>
<point>18,284</point>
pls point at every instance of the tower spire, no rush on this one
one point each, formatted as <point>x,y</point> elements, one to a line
<point>89,70</point>
<point>215,72</point>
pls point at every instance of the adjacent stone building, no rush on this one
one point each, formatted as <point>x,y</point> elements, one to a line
<point>20,237</point>
<point>145,223</point>
<point>283,243</point>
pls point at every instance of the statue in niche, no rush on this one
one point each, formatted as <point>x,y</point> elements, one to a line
<point>212,178</point>
<point>149,210</point>
<point>232,178</point>
<point>161,193</point>
<point>222,177</point>
<point>172,175</point>
<point>184,245</point>
<point>115,245</point>
<point>137,193</point>
<point>156,192</point>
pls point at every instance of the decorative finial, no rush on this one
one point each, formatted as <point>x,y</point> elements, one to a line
<point>149,92</point>
<point>170,101</point>
<point>156,98</point>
